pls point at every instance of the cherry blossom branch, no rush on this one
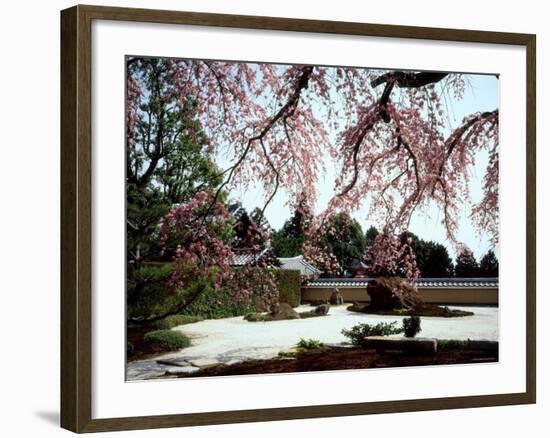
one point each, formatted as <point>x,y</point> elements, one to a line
<point>457,134</point>
<point>286,110</point>
<point>390,79</point>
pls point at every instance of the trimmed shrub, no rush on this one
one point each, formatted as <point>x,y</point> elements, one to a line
<point>289,283</point>
<point>310,345</point>
<point>175,320</point>
<point>411,326</point>
<point>167,339</point>
<point>360,331</point>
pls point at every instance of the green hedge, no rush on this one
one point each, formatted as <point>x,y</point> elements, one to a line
<point>167,339</point>
<point>175,320</point>
<point>290,285</point>
<point>248,290</point>
<point>251,289</point>
<point>218,303</point>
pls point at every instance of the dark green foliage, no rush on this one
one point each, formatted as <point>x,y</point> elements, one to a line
<point>359,332</point>
<point>468,344</point>
<point>167,162</point>
<point>310,345</point>
<point>251,289</point>
<point>147,293</point>
<point>411,326</point>
<point>219,303</point>
<point>286,246</point>
<point>432,258</point>
<point>129,348</point>
<point>167,156</point>
<point>156,299</point>
<point>345,239</point>
<point>466,265</point>
<point>435,261</point>
<point>288,241</point>
<point>370,235</point>
<point>488,266</point>
<point>175,320</point>
<point>289,284</point>
<point>168,340</point>
<point>453,344</point>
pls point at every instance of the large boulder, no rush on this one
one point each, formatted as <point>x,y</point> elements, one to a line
<point>396,296</point>
<point>393,293</point>
<point>283,311</point>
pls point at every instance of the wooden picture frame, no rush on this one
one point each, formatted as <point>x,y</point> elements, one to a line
<point>76,217</point>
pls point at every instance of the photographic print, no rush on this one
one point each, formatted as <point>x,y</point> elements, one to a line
<point>286,218</point>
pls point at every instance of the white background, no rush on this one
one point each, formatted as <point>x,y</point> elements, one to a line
<point>30,217</point>
<point>112,397</point>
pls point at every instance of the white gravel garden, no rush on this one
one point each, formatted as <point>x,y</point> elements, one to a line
<point>233,340</point>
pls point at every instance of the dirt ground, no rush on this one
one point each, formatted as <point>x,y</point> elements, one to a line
<point>141,349</point>
<point>341,358</point>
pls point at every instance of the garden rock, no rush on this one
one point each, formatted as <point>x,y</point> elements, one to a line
<point>181,371</point>
<point>322,309</point>
<point>205,362</point>
<point>283,311</point>
<point>174,362</point>
<point>393,293</point>
<point>336,297</point>
<point>143,370</point>
<point>396,296</point>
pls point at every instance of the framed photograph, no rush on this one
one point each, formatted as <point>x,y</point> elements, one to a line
<point>269,218</point>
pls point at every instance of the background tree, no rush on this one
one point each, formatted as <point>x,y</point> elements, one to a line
<point>288,241</point>
<point>343,237</point>
<point>388,131</point>
<point>436,261</point>
<point>488,265</point>
<point>394,139</point>
<point>168,159</point>
<point>432,258</point>
<point>390,256</point>
<point>466,264</point>
<point>167,154</point>
<point>370,235</point>
<point>248,235</point>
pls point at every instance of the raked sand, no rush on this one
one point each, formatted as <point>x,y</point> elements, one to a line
<point>233,340</point>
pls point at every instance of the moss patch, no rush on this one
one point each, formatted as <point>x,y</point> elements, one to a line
<point>167,340</point>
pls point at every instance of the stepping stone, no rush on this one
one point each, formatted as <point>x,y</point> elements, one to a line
<point>174,362</point>
<point>205,363</point>
<point>144,370</point>
<point>178,371</point>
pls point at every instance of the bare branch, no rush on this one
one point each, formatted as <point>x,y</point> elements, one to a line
<point>409,79</point>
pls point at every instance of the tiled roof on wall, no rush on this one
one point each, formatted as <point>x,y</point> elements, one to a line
<point>421,282</point>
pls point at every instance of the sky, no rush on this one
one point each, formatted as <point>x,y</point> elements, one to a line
<point>482,94</point>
